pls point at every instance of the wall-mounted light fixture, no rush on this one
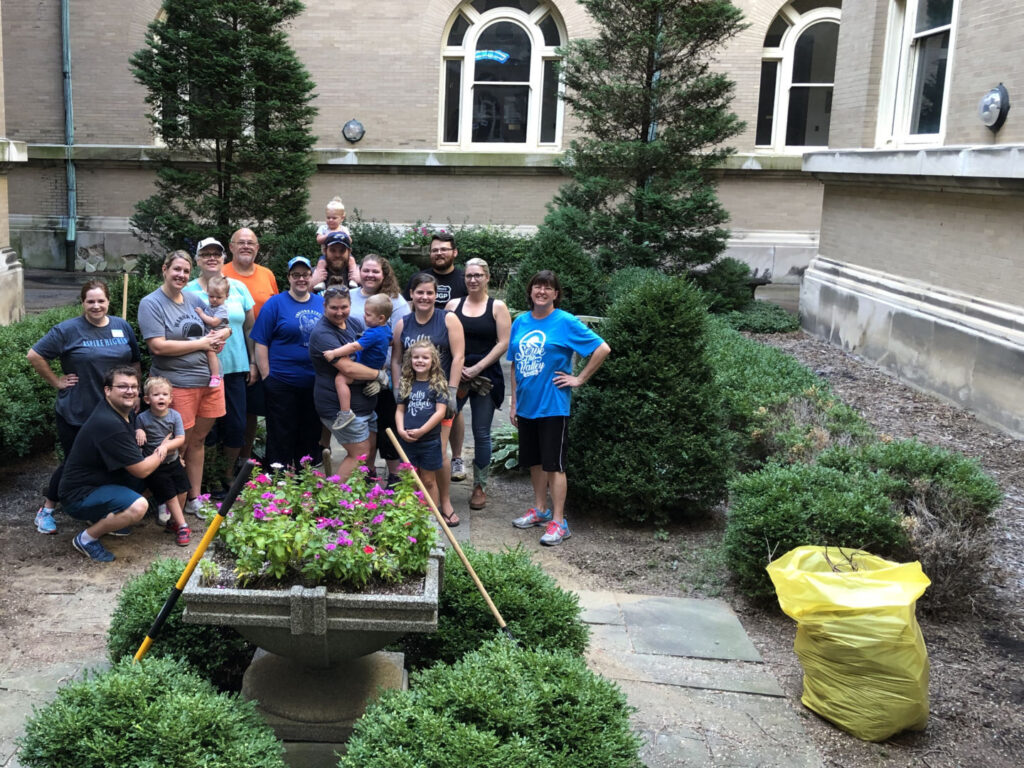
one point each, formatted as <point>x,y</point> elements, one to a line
<point>993,107</point>
<point>353,131</point>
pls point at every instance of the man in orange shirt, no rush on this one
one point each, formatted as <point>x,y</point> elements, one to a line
<point>262,285</point>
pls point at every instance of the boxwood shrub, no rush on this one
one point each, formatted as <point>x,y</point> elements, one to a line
<point>762,317</point>
<point>583,285</point>
<point>657,385</point>
<point>780,507</point>
<point>725,284</point>
<point>153,713</point>
<point>503,706</point>
<point>218,654</point>
<point>537,611</point>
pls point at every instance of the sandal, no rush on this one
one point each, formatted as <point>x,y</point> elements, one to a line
<point>452,520</point>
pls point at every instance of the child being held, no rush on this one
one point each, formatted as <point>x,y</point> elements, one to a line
<point>422,400</point>
<point>214,316</point>
<point>168,481</point>
<point>334,215</point>
<point>370,349</point>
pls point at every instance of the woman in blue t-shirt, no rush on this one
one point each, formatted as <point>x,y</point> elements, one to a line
<point>87,346</point>
<point>543,342</point>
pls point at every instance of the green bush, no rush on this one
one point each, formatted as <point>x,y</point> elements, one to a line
<point>725,283</point>
<point>277,249</point>
<point>762,317</point>
<point>781,507</point>
<point>583,285</point>
<point>500,247</point>
<point>656,383</point>
<point>403,272</point>
<point>627,280</point>
<point>537,612</point>
<point>505,447</point>
<point>152,713</point>
<point>947,502</point>
<point>499,706</point>
<point>219,654</point>
<point>372,237</point>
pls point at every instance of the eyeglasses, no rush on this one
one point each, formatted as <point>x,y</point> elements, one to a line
<point>475,277</point>
<point>127,387</point>
<point>208,256</point>
<point>440,250</point>
<point>245,243</point>
<point>336,290</point>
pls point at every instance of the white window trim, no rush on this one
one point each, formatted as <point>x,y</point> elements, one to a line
<point>783,54</point>
<point>540,53</point>
<point>898,74</point>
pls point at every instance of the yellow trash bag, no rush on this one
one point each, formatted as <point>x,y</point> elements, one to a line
<point>864,660</point>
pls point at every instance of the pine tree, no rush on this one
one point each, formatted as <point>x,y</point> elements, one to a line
<point>654,117</point>
<point>231,101</point>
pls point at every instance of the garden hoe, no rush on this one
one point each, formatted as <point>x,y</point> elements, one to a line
<point>236,487</point>
<point>451,538</point>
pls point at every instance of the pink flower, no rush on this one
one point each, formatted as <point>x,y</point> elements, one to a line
<point>334,479</point>
<point>330,545</point>
<point>361,458</point>
<point>370,505</point>
<point>262,478</point>
<point>378,520</point>
<point>404,466</point>
<point>411,538</point>
<point>267,495</point>
<point>305,459</point>
<point>364,469</point>
<point>258,514</point>
<point>368,550</point>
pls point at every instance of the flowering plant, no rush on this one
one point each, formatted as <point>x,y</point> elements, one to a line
<point>418,234</point>
<point>307,526</point>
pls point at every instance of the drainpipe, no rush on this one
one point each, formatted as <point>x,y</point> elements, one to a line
<point>69,138</point>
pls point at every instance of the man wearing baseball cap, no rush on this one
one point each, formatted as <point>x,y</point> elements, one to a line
<point>336,264</point>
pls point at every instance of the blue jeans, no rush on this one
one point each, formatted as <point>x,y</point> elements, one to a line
<point>482,407</point>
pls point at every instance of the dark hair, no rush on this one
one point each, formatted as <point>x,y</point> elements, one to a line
<point>336,291</point>
<point>544,277</point>
<point>444,237</point>
<point>419,279</point>
<point>119,370</point>
<point>389,284</point>
<point>92,285</point>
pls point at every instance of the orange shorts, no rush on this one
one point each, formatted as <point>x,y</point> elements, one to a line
<point>447,422</point>
<point>202,402</point>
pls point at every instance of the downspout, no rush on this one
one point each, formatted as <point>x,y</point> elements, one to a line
<point>71,234</point>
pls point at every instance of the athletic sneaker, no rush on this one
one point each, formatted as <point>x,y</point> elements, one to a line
<point>162,515</point>
<point>343,419</point>
<point>45,522</point>
<point>93,550</point>
<point>458,470</point>
<point>533,517</point>
<point>215,381</point>
<point>555,533</point>
<point>126,531</point>
<point>195,507</point>
<point>183,536</point>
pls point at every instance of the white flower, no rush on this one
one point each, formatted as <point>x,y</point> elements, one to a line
<point>277,465</point>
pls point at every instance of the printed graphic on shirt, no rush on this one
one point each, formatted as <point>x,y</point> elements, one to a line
<point>186,326</point>
<point>530,357</point>
<point>419,402</point>
<point>307,322</point>
<point>444,294</point>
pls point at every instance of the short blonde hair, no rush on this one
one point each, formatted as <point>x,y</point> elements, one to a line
<point>154,381</point>
<point>217,282</point>
<point>477,262</point>
<point>335,204</point>
<point>380,304</point>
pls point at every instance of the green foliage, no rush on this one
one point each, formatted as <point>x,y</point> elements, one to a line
<point>372,237</point>
<point>151,713</point>
<point>403,272</point>
<point>654,117</point>
<point>499,706</point>
<point>762,317</point>
<point>657,382</point>
<point>278,248</point>
<point>624,281</point>
<point>500,247</point>
<point>725,282</point>
<point>505,449</point>
<point>232,102</point>
<point>947,502</point>
<point>781,507</point>
<point>583,285</point>
<point>218,654</point>
<point>26,401</point>
<point>538,612</point>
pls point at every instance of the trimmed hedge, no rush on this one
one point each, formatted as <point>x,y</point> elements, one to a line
<point>583,285</point>
<point>762,317</point>
<point>218,654</point>
<point>499,706</point>
<point>147,714</point>
<point>537,611</point>
<point>724,282</point>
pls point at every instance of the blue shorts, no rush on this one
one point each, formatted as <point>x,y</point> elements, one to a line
<point>102,501</point>
<point>425,454</point>
<point>356,431</point>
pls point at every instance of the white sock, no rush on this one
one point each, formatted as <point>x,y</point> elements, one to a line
<point>86,538</point>
<point>47,510</point>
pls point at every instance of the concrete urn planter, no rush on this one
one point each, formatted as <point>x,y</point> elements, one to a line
<point>417,255</point>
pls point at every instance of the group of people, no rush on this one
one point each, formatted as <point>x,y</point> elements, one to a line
<point>336,367</point>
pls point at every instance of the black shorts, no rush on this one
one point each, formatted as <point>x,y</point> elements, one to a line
<point>167,481</point>
<point>544,441</point>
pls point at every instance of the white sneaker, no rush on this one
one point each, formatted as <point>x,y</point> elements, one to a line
<point>195,507</point>
<point>458,470</point>
<point>162,515</point>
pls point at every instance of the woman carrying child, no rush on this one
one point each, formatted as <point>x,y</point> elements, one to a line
<point>422,402</point>
<point>168,482</point>
<point>370,349</point>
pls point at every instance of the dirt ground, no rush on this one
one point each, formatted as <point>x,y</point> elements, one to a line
<point>977,657</point>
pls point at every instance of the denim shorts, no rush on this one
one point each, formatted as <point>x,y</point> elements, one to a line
<point>425,454</point>
<point>356,431</point>
<point>102,501</point>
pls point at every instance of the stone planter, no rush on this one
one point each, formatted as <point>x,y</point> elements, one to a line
<point>319,662</point>
<point>417,255</point>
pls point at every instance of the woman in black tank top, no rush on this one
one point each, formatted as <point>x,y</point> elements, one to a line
<point>487,324</point>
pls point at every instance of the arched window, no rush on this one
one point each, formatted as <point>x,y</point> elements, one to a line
<point>798,66</point>
<point>500,88</point>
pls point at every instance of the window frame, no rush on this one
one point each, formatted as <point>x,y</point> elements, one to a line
<point>540,54</point>
<point>784,55</point>
<point>899,76</point>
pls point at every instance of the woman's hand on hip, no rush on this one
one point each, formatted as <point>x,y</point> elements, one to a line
<point>66,381</point>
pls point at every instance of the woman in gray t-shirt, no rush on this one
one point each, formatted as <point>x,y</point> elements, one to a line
<point>178,342</point>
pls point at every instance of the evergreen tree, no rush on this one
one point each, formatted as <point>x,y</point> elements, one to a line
<point>231,101</point>
<point>653,117</point>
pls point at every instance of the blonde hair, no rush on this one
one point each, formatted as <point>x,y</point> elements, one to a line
<point>477,262</point>
<point>154,381</point>
<point>436,377</point>
<point>173,255</point>
<point>218,282</point>
<point>335,204</point>
<point>379,304</point>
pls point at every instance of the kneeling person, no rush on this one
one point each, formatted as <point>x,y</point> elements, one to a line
<point>103,471</point>
<point>168,483</point>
